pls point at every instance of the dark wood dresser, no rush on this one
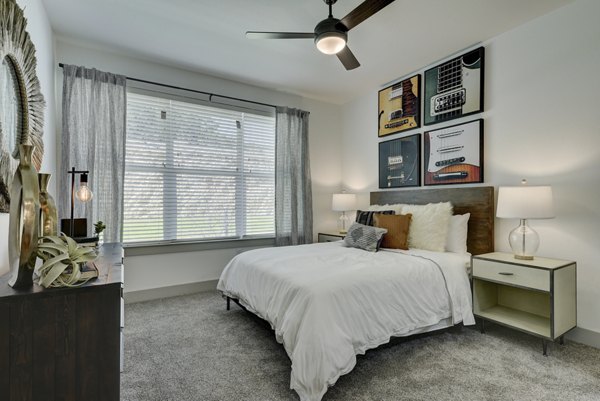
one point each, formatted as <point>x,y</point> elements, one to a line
<point>63,343</point>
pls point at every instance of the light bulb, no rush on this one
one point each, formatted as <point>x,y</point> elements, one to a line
<point>84,194</point>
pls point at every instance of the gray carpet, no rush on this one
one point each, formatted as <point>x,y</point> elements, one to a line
<point>191,349</point>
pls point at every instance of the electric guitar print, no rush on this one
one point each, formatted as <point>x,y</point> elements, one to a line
<point>454,88</point>
<point>453,155</point>
<point>399,162</point>
<point>399,106</point>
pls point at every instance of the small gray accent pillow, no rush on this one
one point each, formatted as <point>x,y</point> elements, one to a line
<point>364,237</point>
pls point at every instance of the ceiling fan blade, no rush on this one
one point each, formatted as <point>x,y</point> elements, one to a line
<point>279,35</point>
<point>364,10</point>
<point>347,58</point>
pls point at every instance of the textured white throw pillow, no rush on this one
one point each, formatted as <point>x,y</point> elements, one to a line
<point>456,241</point>
<point>396,207</point>
<point>429,225</point>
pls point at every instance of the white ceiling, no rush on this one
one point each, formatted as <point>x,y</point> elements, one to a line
<point>207,36</point>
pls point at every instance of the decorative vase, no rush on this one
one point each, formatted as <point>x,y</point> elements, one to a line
<point>48,212</point>
<point>23,221</point>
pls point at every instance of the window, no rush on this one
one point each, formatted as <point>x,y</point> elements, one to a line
<point>194,171</point>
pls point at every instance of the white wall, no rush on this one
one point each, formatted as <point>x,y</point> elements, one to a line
<point>541,123</point>
<point>326,161</point>
<point>147,272</point>
<point>42,37</point>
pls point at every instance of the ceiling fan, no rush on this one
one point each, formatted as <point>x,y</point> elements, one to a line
<point>331,34</point>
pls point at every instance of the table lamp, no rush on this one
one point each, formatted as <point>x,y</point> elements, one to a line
<point>342,203</point>
<point>77,227</point>
<point>525,202</point>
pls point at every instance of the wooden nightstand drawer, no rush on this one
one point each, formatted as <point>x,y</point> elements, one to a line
<point>516,275</point>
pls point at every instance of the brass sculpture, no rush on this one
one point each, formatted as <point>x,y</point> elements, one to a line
<point>48,213</point>
<point>23,221</point>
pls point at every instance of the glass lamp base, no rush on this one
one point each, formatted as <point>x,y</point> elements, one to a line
<point>524,241</point>
<point>342,223</point>
<point>524,257</point>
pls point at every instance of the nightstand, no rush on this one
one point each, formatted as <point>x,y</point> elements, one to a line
<point>536,296</point>
<point>328,237</point>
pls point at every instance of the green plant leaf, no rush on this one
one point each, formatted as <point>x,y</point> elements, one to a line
<point>56,270</point>
<point>62,258</point>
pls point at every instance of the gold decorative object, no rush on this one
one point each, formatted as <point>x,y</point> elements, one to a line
<point>21,100</point>
<point>23,221</point>
<point>48,212</point>
<point>63,259</point>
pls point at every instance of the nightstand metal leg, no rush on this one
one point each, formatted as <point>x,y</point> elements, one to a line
<point>482,326</point>
<point>545,347</point>
<point>561,341</point>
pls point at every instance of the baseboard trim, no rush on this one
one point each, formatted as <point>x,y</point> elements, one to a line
<point>584,336</point>
<point>168,292</point>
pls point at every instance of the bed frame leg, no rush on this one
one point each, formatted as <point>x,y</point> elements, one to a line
<point>482,326</point>
<point>228,303</point>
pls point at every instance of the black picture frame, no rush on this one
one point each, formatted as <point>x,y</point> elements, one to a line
<point>400,162</point>
<point>454,154</point>
<point>455,88</point>
<point>399,107</point>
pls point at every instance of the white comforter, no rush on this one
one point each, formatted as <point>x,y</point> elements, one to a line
<point>327,303</point>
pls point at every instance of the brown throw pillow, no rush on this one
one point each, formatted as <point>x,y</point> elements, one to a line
<point>397,226</point>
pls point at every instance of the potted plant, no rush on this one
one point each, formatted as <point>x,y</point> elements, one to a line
<point>98,229</point>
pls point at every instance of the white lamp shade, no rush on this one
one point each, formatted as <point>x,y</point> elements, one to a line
<point>525,202</point>
<point>343,202</point>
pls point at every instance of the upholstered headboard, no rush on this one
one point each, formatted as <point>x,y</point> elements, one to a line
<point>479,201</point>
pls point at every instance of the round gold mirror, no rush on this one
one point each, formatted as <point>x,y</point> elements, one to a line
<point>11,112</point>
<point>21,100</point>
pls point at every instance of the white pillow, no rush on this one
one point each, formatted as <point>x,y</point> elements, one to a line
<point>456,241</point>
<point>429,225</point>
<point>396,207</point>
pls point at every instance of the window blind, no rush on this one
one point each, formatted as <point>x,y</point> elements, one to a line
<point>197,172</point>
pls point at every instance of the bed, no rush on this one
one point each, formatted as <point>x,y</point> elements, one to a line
<point>328,303</point>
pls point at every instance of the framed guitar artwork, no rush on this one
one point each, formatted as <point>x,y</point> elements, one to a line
<point>400,106</point>
<point>454,155</point>
<point>454,88</point>
<point>400,162</point>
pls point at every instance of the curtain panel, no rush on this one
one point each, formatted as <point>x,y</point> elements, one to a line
<point>93,138</point>
<point>293,193</point>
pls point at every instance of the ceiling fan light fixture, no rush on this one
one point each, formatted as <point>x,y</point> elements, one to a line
<point>331,42</point>
<point>331,34</point>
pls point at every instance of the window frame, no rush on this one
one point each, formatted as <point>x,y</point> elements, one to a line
<point>186,245</point>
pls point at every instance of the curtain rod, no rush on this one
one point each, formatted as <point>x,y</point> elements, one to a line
<point>210,95</point>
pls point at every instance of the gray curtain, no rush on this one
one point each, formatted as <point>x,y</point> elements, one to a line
<point>293,193</point>
<point>93,138</point>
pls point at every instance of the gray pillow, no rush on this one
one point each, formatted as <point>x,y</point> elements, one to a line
<point>364,237</point>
